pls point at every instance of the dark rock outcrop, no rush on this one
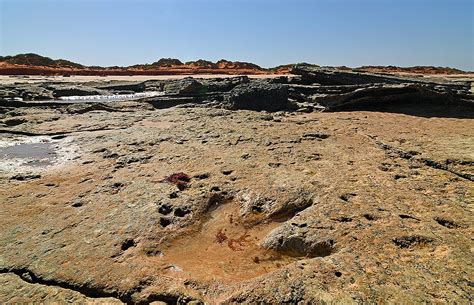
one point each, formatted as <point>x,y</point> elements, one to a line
<point>364,98</point>
<point>167,62</point>
<point>25,91</point>
<point>329,89</point>
<point>185,87</point>
<point>60,91</point>
<point>325,76</point>
<point>224,84</point>
<point>258,96</point>
<point>135,87</point>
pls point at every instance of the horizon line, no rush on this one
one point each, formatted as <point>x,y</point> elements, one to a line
<point>239,61</point>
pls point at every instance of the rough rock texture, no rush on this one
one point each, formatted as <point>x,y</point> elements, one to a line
<point>225,84</point>
<point>185,87</point>
<point>140,201</point>
<point>325,76</point>
<point>258,96</point>
<point>126,86</point>
<point>392,97</point>
<point>319,89</point>
<point>299,241</point>
<point>59,91</point>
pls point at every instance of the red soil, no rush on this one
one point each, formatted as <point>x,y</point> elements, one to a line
<point>231,68</point>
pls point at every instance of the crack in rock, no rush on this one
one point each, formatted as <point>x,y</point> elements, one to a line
<point>97,291</point>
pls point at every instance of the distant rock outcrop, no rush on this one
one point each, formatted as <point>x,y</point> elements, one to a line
<point>411,70</point>
<point>33,64</point>
<point>202,64</point>
<point>167,62</point>
<point>31,59</point>
<point>225,64</point>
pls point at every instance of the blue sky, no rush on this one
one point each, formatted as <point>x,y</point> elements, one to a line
<point>266,32</point>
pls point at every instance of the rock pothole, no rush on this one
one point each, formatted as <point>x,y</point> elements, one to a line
<point>224,247</point>
<point>127,243</point>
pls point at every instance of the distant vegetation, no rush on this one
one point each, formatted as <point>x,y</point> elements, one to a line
<point>202,63</point>
<point>289,66</point>
<point>167,62</point>
<point>31,59</point>
<point>415,69</point>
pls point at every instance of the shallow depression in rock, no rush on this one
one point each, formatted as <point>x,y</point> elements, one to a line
<point>224,248</point>
<point>33,153</point>
<point>36,154</point>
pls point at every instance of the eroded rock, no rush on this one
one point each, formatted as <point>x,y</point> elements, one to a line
<point>277,207</point>
<point>258,96</point>
<point>299,241</point>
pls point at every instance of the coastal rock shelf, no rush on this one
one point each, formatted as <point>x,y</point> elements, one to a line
<point>322,186</point>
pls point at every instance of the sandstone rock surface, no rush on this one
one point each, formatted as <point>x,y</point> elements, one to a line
<point>178,199</point>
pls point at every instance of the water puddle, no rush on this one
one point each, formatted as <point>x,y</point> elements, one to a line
<point>225,248</point>
<point>31,154</point>
<point>106,98</point>
<point>35,154</point>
